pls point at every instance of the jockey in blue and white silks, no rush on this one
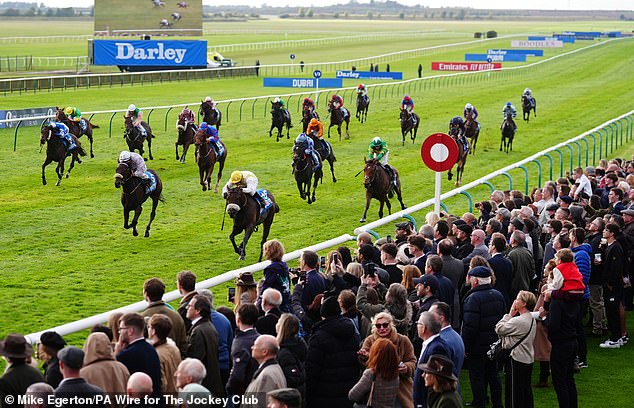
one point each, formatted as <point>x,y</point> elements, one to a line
<point>213,139</point>
<point>136,164</point>
<point>509,108</point>
<point>310,149</point>
<point>61,131</point>
<point>470,110</point>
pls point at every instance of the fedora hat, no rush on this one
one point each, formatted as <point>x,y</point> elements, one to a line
<point>15,346</point>
<point>246,279</point>
<point>439,365</point>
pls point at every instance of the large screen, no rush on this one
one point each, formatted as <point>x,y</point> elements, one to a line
<point>156,17</point>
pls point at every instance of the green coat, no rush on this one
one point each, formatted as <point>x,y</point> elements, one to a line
<point>449,399</point>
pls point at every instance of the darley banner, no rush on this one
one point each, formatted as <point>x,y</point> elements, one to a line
<point>151,53</point>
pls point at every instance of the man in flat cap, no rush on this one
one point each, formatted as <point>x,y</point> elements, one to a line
<point>71,359</point>
<point>463,236</point>
<point>18,374</point>
<point>284,398</point>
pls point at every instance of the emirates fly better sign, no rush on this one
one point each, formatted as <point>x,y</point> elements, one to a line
<point>464,66</point>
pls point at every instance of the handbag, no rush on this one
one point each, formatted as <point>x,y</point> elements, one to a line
<point>500,354</point>
<point>368,404</point>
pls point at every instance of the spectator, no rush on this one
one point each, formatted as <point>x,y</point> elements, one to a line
<point>225,329</point>
<point>420,70</point>
<point>50,344</point>
<point>523,264</point>
<point>73,385</point>
<point>153,291</point>
<point>446,290</point>
<point>246,290</point>
<point>463,246</point>
<point>397,305</point>
<point>363,239</point>
<point>284,398</point>
<point>479,248</point>
<point>269,375</point>
<point>453,269</point>
<point>189,377</point>
<point>315,282</point>
<point>271,301</point>
<point>517,331</point>
<point>38,395</point>
<point>379,384</point>
<point>292,354</point>
<point>439,378</point>
<point>243,366</point>
<point>485,209</point>
<point>158,329</point>
<point>426,289</point>
<point>442,312</point>
<point>501,266</point>
<point>429,331</point>
<point>257,67</point>
<point>139,387</point>
<point>186,284</point>
<point>388,259</point>
<point>276,273</point>
<point>597,308</point>
<point>100,367</point>
<point>18,375</point>
<point>346,256</point>
<point>417,248</point>
<point>301,66</point>
<point>410,272</point>
<point>613,270</point>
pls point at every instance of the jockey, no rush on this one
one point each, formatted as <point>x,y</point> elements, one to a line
<point>378,150</point>
<point>316,128</point>
<point>528,93</point>
<point>337,101</point>
<point>310,149</point>
<point>137,116</point>
<point>309,104</point>
<point>213,139</point>
<point>210,102</point>
<point>361,90</point>
<point>73,113</point>
<point>137,165</point>
<point>280,102</point>
<point>510,109</point>
<point>247,181</point>
<point>188,115</point>
<point>459,123</point>
<point>473,112</point>
<point>408,104</point>
<point>61,131</point>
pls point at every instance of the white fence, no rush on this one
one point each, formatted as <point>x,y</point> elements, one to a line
<point>43,39</point>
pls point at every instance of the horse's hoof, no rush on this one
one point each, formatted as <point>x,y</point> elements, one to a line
<point>68,175</point>
<point>58,183</point>
<point>145,159</point>
<point>242,258</point>
<point>151,157</point>
<point>334,180</point>
<point>43,182</point>
<point>147,234</point>
<point>92,156</point>
<point>216,190</point>
<point>362,220</point>
<point>204,188</point>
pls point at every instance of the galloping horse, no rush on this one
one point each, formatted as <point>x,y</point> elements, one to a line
<point>134,195</point>
<point>206,158</point>
<point>279,119</point>
<point>324,148</point>
<point>75,128</point>
<point>307,115</point>
<point>245,212</point>
<point>378,185</point>
<point>337,117</point>
<point>186,132</point>
<point>363,104</point>
<point>527,105</point>
<point>211,116</point>
<point>56,152</point>
<point>407,124</point>
<point>135,139</point>
<point>507,133</point>
<point>472,132</point>
<point>303,172</point>
<point>462,155</point>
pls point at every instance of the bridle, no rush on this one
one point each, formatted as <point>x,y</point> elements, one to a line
<point>303,158</point>
<point>374,171</point>
<point>237,191</point>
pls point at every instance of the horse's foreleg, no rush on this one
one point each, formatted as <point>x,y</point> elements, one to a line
<point>60,171</point>
<point>203,179</point>
<point>317,176</point>
<point>399,195</point>
<point>184,152</point>
<point>177,156</point>
<point>135,220</point>
<point>46,163</point>
<point>534,111</point>
<point>347,126</point>
<point>331,125</point>
<point>149,147</point>
<point>126,218</point>
<point>403,135</point>
<point>209,173</point>
<point>221,166</point>
<point>300,187</point>
<point>89,135</point>
<point>450,174</point>
<point>72,164</point>
<point>271,130</point>
<point>331,162</point>
<point>232,237</point>
<point>152,215</point>
<point>381,208</point>
<point>368,197</point>
<point>339,131</point>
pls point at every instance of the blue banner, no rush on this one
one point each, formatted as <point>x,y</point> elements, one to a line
<point>369,75</point>
<point>565,39</point>
<point>302,82</point>
<point>24,113</point>
<point>151,53</point>
<point>536,38</point>
<point>495,58</point>
<point>531,53</point>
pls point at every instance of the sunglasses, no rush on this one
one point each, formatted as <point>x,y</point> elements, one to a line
<point>381,325</point>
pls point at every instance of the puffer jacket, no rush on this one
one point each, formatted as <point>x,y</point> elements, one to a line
<point>402,315</point>
<point>583,260</point>
<point>100,367</point>
<point>483,308</point>
<point>292,358</point>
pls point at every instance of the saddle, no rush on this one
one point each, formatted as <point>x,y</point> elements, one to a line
<point>151,187</point>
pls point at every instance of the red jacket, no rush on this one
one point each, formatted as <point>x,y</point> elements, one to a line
<point>573,280</point>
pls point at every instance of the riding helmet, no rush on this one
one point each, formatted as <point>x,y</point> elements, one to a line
<point>203,126</point>
<point>361,86</point>
<point>236,177</point>
<point>508,104</point>
<point>276,100</point>
<point>313,122</point>
<point>125,156</point>
<point>301,138</point>
<point>131,107</point>
<point>376,142</point>
<point>468,106</point>
<point>208,99</point>
<point>68,110</point>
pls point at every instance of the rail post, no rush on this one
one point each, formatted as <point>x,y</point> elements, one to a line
<point>166,114</point>
<point>539,172</point>
<point>15,136</point>
<point>110,126</point>
<point>510,179</point>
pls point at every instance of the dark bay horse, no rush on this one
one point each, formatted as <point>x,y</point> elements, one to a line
<point>407,124</point>
<point>363,104</point>
<point>56,152</point>
<point>75,127</point>
<point>303,172</point>
<point>462,155</point>
<point>135,139</point>
<point>206,158</point>
<point>324,149</point>
<point>245,212</point>
<point>185,136</point>
<point>378,185</point>
<point>212,116</point>
<point>471,132</point>
<point>337,117</point>
<point>527,105</point>
<point>307,116</point>
<point>507,134</point>
<point>133,196</point>
<point>279,119</point>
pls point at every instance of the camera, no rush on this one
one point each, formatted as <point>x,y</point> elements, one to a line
<point>370,270</point>
<point>231,295</point>
<point>335,257</point>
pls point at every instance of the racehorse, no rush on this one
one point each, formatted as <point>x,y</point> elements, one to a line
<point>212,116</point>
<point>279,119</point>
<point>245,212</point>
<point>206,158</point>
<point>182,4</point>
<point>324,148</point>
<point>472,132</point>
<point>75,127</point>
<point>186,132</point>
<point>507,134</point>
<point>164,23</point>
<point>56,152</point>
<point>378,185</point>
<point>407,124</point>
<point>158,3</point>
<point>363,104</point>
<point>135,140</point>
<point>527,105</point>
<point>303,172</point>
<point>462,155</point>
<point>307,116</point>
<point>337,117</point>
<point>134,195</point>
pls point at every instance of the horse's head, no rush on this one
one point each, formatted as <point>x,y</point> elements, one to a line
<point>122,174</point>
<point>235,201</point>
<point>369,171</point>
<point>330,106</point>
<point>60,115</point>
<point>404,115</point>
<point>299,151</point>
<point>45,134</point>
<point>200,138</point>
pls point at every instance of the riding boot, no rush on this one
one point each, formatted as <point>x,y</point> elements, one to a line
<point>215,148</point>
<point>316,161</point>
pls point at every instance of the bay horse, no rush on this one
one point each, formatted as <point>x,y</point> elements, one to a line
<point>56,152</point>
<point>279,119</point>
<point>337,117</point>
<point>245,212</point>
<point>326,153</point>
<point>527,105</point>
<point>507,134</point>
<point>378,185</point>
<point>471,132</point>
<point>212,116</point>
<point>135,139</point>
<point>186,134</point>
<point>303,172</point>
<point>75,127</point>
<point>206,158</point>
<point>307,116</point>
<point>134,195</point>
<point>407,124</point>
<point>363,104</point>
<point>462,155</point>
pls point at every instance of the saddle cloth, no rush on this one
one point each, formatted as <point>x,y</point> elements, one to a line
<point>152,187</point>
<point>264,200</point>
<point>83,124</point>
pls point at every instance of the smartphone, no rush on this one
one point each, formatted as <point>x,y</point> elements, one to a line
<point>389,238</point>
<point>335,258</point>
<point>322,262</point>
<point>231,295</point>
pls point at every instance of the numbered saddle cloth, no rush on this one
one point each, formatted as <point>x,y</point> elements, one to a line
<point>265,202</point>
<point>83,124</point>
<point>152,186</point>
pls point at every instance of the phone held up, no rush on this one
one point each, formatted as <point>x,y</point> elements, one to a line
<point>231,295</point>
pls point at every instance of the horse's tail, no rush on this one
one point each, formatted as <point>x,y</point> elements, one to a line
<point>162,198</point>
<point>390,192</point>
<point>81,151</point>
<point>94,126</point>
<point>277,208</point>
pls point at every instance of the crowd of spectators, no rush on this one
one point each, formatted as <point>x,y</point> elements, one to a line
<point>389,324</point>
